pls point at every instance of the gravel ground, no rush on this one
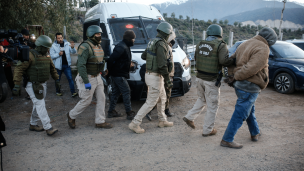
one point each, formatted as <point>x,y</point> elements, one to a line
<point>280,147</point>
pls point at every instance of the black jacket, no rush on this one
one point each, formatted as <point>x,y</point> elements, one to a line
<point>120,61</point>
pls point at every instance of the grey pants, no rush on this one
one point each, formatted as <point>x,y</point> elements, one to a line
<point>120,86</point>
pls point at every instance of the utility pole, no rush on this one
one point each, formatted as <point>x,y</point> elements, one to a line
<point>280,33</point>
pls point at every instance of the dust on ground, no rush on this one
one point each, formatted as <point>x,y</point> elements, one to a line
<point>281,146</point>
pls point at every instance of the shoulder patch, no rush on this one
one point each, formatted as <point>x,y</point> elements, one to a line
<point>81,49</point>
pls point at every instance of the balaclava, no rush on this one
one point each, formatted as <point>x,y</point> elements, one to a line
<point>269,34</point>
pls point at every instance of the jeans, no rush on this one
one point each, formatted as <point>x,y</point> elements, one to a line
<point>120,85</point>
<point>244,111</point>
<point>68,73</point>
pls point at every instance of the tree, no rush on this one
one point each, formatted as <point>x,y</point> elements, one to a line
<point>165,15</point>
<point>188,18</point>
<point>226,22</point>
<point>240,24</point>
<point>214,21</point>
<point>260,27</point>
<point>209,22</point>
<point>235,23</point>
<point>173,15</point>
<point>221,22</point>
<point>92,3</point>
<point>180,17</point>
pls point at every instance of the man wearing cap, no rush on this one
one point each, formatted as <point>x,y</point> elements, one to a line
<point>90,63</point>
<point>119,65</point>
<point>38,70</point>
<point>158,68</point>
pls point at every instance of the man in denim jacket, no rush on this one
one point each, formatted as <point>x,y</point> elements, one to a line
<point>60,54</point>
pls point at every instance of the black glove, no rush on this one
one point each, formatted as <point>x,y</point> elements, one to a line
<point>172,42</point>
<point>230,80</point>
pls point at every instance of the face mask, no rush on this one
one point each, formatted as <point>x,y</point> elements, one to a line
<point>98,38</point>
<point>129,43</point>
<point>171,37</point>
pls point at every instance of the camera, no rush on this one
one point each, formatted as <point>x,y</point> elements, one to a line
<point>16,50</point>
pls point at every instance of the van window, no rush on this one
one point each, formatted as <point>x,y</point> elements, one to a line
<point>104,33</point>
<point>144,29</point>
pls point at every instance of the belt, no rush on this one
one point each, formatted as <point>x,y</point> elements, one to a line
<point>93,76</point>
<point>153,73</point>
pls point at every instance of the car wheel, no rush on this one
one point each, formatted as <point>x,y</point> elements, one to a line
<point>3,92</point>
<point>284,83</point>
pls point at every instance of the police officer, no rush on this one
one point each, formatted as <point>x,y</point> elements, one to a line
<point>171,75</point>
<point>210,55</point>
<point>158,67</point>
<point>38,70</point>
<point>90,64</point>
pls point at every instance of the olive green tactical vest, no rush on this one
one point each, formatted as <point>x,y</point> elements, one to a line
<point>207,60</point>
<point>95,63</point>
<point>151,62</point>
<point>39,70</point>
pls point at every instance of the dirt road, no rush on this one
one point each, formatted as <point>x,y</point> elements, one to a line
<point>281,146</point>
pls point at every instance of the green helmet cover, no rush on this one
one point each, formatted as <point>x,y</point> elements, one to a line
<point>215,30</point>
<point>44,41</point>
<point>93,29</point>
<point>165,27</point>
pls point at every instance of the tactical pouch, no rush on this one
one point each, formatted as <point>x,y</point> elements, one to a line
<point>38,90</point>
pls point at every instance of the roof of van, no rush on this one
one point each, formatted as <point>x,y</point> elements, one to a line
<point>123,9</point>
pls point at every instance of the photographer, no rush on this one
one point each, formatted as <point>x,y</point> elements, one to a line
<point>25,39</point>
<point>7,68</point>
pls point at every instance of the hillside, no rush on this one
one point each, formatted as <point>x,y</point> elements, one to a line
<point>217,9</point>
<point>183,28</point>
<point>295,15</point>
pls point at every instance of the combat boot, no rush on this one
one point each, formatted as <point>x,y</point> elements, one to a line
<point>71,121</point>
<point>136,128</point>
<point>148,116</point>
<point>113,114</point>
<point>130,115</point>
<point>36,128</point>
<point>162,124</point>
<point>51,131</point>
<point>213,132</point>
<point>168,113</point>
<point>189,123</point>
<point>231,144</point>
<point>104,125</point>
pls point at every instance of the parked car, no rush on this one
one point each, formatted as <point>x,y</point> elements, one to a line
<point>115,19</point>
<point>299,43</point>
<point>286,66</point>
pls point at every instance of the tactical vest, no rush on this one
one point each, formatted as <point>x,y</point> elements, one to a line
<point>95,63</point>
<point>39,70</point>
<point>207,60</point>
<point>151,61</point>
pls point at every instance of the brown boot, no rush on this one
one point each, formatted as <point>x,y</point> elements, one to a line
<point>256,137</point>
<point>189,123</point>
<point>130,115</point>
<point>51,131</point>
<point>162,124</point>
<point>231,144</point>
<point>136,128</point>
<point>213,132</point>
<point>104,125</point>
<point>36,128</point>
<point>71,121</point>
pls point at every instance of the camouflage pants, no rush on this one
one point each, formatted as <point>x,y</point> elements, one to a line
<point>168,94</point>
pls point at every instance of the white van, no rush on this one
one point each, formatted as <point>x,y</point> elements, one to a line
<point>117,17</point>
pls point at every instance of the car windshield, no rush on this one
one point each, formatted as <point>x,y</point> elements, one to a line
<point>300,45</point>
<point>120,25</point>
<point>288,51</point>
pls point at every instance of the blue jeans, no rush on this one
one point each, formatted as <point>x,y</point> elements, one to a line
<point>244,111</point>
<point>68,73</point>
<point>120,85</point>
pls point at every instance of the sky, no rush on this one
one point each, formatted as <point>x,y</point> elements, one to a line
<point>148,2</point>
